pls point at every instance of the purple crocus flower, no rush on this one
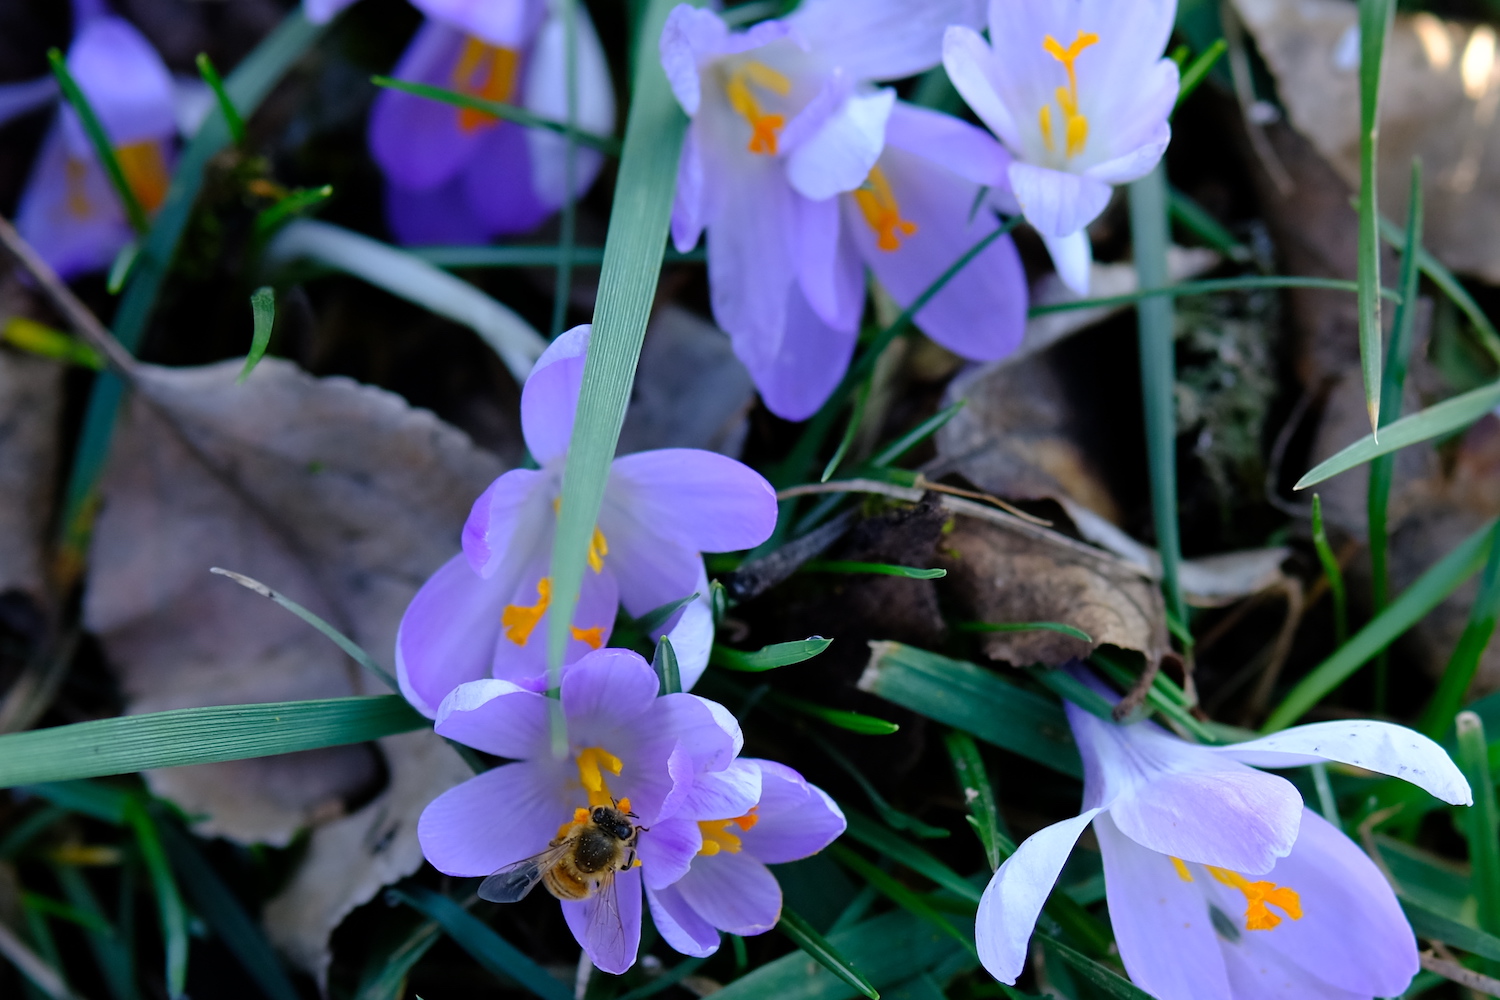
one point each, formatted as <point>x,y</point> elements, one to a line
<point>1221,885</point>
<point>323,11</point>
<point>654,756</point>
<point>1078,91</point>
<point>459,176</point>
<point>709,872</point>
<point>484,613</point>
<point>802,172</point>
<point>69,211</point>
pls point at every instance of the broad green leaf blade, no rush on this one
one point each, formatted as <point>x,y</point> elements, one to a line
<point>1436,421</point>
<point>387,981</point>
<point>1434,926</point>
<point>978,701</point>
<point>1375,18</point>
<point>198,736</point>
<point>1426,592</point>
<point>979,794</point>
<point>486,947</point>
<point>263,311</point>
<point>1482,821</point>
<point>904,852</point>
<point>780,654</point>
<point>627,286</point>
<point>668,676</point>
<point>814,944</point>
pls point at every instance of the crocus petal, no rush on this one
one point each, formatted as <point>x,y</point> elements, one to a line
<point>1262,974</point>
<point>504,524</point>
<point>651,570</point>
<point>547,95</point>
<point>1352,934</point>
<point>1137,162</point>
<point>418,144</point>
<point>502,816</point>
<point>440,215</point>
<point>26,96</point>
<point>549,400</point>
<point>1073,256</point>
<point>881,39</point>
<point>680,925</point>
<point>447,634</point>
<point>497,717</point>
<point>839,155</point>
<point>689,36</point>
<point>69,212</point>
<point>323,11</point>
<point>525,662</point>
<point>812,360</point>
<point>608,924</point>
<point>498,194</point>
<point>828,265</point>
<point>950,143</point>
<point>1375,746</point>
<point>1057,203</point>
<point>688,217</point>
<point>1166,938</point>
<point>704,729</point>
<point>700,500</point>
<point>692,637</point>
<point>734,892</point>
<point>967,58</point>
<point>750,239</point>
<point>126,82</point>
<point>726,794</point>
<point>667,850</point>
<point>981,312</point>
<point>506,23</point>
<point>605,689</point>
<point>1013,900</point>
<point>794,819</point>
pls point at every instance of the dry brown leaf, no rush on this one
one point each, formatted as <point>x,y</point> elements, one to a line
<point>1002,570</point>
<point>30,405</point>
<point>1439,97</point>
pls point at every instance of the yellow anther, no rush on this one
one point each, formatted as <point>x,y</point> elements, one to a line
<point>519,620</point>
<point>593,762</point>
<point>78,198</point>
<point>1075,125</point>
<point>598,549</point>
<point>1257,895</point>
<point>580,817</point>
<point>488,72</point>
<point>1182,870</point>
<point>145,170</point>
<point>593,636</point>
<point>765,128</point>
<point>716,837</point>
<point>877,202</point>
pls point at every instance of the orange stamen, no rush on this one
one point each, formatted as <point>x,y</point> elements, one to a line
<point>765,128</point>
<point>520,620</point>
<point>877,202</point>
<point>487,72</point>
<point>1257,896</point>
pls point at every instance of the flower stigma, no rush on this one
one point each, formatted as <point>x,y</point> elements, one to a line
<point>877,202</point>
<point>1257,895</point>
<point>718,837</point>
<point>487,72</point>
<point>765,128</point>
<point>1075,125</point>
<point>593,762</point>
<point>519,620</point>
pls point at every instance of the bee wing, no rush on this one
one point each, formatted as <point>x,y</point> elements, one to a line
<point>511,883</point>
<point>606,928</point>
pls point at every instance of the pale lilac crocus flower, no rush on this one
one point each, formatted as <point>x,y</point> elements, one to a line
<point>653,755</point>
<point>460,176</point>
<point>803,172</point>
<point>485,613</point>
<point>323,11</point>
<point>1078,92</point>
<point>1220,884</point>
<point>709,871</point>
<point>69,211</point>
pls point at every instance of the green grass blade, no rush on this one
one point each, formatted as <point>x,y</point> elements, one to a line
<point>1375,18</point>
<point>897,449</point>
<point>1332,571</point>
<point>975,700</point>
<point>531,255</point>
<point>780,654</point>
<point>1148,227</point>
<point>672,976</point>
<point>222,912</point>
<point>263,312</point>
<point>297,203</point>
<point>387,981</point>
<point>1195,73</point>
<point>871,568</point>
<point>486,947</point>
<point>119,270</point>
<point>1464,663</point>
<point>1195,219</point>
<point>1482,820</point>
<point>1426,592</point>
<point>814,944</point>
<point>42,340</point>
<point>1069,630</point>
<point>851,430</point>
<point>657,617</point>
<point>1439,420</point>
<point>198,736</point>
<point>627,286</point>
<point>111,950</point>
<point>1108,981</point>
<point>99,139</point>
<point>889,814</point>
<point>169,904</point>
<point>1163,696</point>
<point>608,145</point>
<point>232,118</point>
<point>1436,927</point>
<point>1448,282</point>
<point>902,851</point>
<point>854,722</point>
<point>668,676</point>
<point>979,794</point>
<point>899,894</point>
<point>1210,286</point>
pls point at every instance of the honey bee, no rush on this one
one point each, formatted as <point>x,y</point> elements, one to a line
<point>580,862</point>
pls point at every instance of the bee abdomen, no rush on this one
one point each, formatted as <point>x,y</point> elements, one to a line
<point>566,885</point>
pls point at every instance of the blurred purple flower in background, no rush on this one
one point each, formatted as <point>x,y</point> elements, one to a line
<point>69,211</point>
<point>460,176</point>
<point>483,613</point>
<point>710,873</point>
<point>1079,93</point>
<point>786,119</point>
<point>323,11</point>
<point>662,754</point>
<point>1221,885</point>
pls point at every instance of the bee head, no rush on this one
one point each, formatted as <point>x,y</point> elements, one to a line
<point>613,820</point>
